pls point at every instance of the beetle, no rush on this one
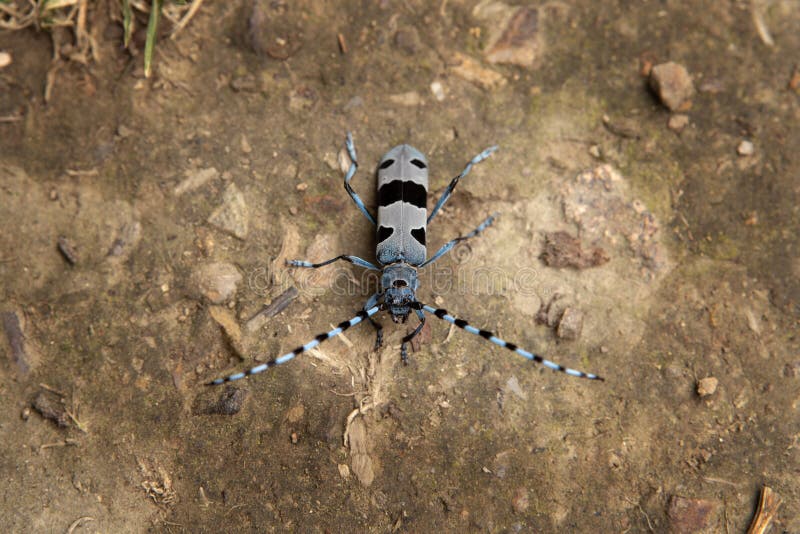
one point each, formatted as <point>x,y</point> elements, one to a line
<point>400,229</point>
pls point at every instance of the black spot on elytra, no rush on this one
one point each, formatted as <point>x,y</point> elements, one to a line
<point>406,191</point>
<point>384,233</point>
<point>419,235</point>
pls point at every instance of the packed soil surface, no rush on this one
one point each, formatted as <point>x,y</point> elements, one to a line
<point>146,224</point>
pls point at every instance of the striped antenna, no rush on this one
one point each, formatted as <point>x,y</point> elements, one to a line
<point>363,314</point>
<point>464,325</point>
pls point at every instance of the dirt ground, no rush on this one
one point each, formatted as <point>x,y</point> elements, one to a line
<point>146,223</point>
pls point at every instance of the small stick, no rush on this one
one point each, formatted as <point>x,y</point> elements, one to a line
<point>761,26</point>
<point>78,172</point>
<point>75,524</point>
<point>278,304</point>
<point>186,18</point>
<point>51,389</point>
<point>449,333</point>
<point>342,43</point>
<point>68,442</point>
<point>344,339</point>
<point>67,250</point>
<point>768,505</point>
<point>12,118</point>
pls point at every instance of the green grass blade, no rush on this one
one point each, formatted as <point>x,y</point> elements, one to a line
<point>150,42</point>
<point>127,18</point>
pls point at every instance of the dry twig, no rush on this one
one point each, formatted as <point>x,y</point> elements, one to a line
<point>768,505</point>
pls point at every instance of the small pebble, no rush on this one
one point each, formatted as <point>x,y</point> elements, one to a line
<point>229,402</point>
<point>794,81</point>
<point>293,210</point>
<point>205,241</point>
<point>295,413</point>
<point>678,122</point>
<point>745,148</point>
<point>438,91</point>
<point>407,39</point>
<point>295,438</point>
<point>245,145</point>
<point>622,127</point>
<point>302,186</point>
<point>672,83</point>
<point>571,324</point>
<point>5,59</point>
<point>791,370</point>
<point>51,407</point>
<point>216,281</point>
<point>344,470</point>
<point>594,151</point>
<point>123,131</point>
<point>232,215</point>
<point>707,386</point>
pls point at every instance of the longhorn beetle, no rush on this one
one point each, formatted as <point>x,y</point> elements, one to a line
<point>400,228</point>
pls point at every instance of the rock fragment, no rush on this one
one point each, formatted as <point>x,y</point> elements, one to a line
<point>407,39</point>
<point>678,122</point>
<point>51,408</point>
<point>438,91</point>
<point>361,463</point>
<point>672,84</point>
<point>470,70</point>
<point>571,324</point>
<point>794,81</point>
<point>232,215</point>
<point>690,515</point>
<point>229,402</point>
<point>562,250</point>
<point>519,43</point>
<point>515,35</point>
<point>226,320</point>
<point>745,148</point>
<point>707,386</point>
<point>216,281</point>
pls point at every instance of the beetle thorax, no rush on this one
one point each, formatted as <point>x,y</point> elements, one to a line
<point>398,284</point>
